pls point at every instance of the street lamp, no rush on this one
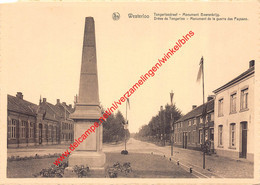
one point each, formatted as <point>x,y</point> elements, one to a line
<point>162,126</point>
<point>172,127</point>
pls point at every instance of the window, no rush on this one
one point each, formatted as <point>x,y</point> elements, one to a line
<point>209,117</point>
<point>211,134</point>
<point>206,135</point>
<point>12,128</point>
<point>233,99</point>
<point>189,122</point>
<point>200,136</point>
<point>55,132</point>
<point>22,129</point>
<point>201,120</point>
<point>198,120</point>
<point>194,121</point>
<point>194,135</point>
<point>220,107</point>
<point>46,131</point>
<point>220,135</point>
<point>232,134</point>
<point>50,131</point>
<point>212,116</point>
<point>244,99</point>
<point>31,130</point>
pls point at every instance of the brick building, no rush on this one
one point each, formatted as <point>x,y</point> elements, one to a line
<point>188,130</point>
<point>44,124</point>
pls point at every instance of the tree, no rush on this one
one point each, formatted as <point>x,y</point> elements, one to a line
<point>113,128</point>
<point>155,127</point>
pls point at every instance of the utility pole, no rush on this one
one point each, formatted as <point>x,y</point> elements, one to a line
<point>125,124</point>
<point>171,123</point>
<point>162,125</point>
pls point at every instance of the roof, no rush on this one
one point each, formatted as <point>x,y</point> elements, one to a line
<point>64,109</point>
<point>245,74</point>
<point>52,112</point>
<point>198,111</point>
<point>20,105</point>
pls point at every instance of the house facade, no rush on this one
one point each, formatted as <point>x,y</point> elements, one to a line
<point>30,124</point>
<point>234,116</point>
<point>188,130</point>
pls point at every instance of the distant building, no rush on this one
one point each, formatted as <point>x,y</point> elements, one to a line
<point>21,122</point>
<point>44,124</point>
<point>188,130</point>
<point>234,116</point>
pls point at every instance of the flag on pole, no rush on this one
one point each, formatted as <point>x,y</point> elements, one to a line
<point>200,70</point>
<point>128,102</point>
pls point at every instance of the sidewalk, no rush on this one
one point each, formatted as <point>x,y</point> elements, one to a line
<point>216,166</point>
<point>40,151</point>
<point>47,149</point>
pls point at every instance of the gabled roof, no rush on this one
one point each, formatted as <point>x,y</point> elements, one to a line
<point>245,74</point>
<point>198,111</point>
<point>21,106</point>
<point>52,112</point>
<point>64,109</point>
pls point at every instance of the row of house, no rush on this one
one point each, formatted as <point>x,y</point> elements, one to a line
<point>44,124</point>
<point>229,123</point>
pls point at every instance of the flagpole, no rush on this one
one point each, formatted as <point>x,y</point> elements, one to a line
<point>125,123</point>
<point>203,113</point>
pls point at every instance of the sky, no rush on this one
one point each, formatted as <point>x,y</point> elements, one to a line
<point>41,49</point>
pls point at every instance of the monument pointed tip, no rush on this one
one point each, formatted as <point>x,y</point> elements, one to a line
<point>89,18</point>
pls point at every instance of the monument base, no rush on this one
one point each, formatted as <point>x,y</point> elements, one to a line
<point>87,158</point>
<point>94,160</point>
<point>93,173</point>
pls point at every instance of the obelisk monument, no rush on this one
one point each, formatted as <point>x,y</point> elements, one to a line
<point>87,109</point>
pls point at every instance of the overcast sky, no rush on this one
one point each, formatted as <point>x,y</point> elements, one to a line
<point>42,47</point>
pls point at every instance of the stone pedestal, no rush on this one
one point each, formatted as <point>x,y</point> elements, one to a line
<point>87,111</point>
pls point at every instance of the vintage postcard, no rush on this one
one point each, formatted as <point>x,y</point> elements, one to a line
<point>162,92</point>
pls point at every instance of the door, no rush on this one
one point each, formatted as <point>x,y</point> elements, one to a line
<point>244,139</point>
<point>184,144</point>
<point>186,140</point>
<point>40,133</point>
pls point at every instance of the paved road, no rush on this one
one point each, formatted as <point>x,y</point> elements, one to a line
<point>216,166</point>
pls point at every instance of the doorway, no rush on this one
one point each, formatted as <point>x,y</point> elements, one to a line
<point>40,133</point>
<point>184,140</point>
<point>243,140</point>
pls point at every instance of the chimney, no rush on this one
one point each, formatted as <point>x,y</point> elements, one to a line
<point>19,95</point>
<point>44,100</point>
<point>251,63</point>
<point>63,103</point>
<point>70,106</point>
<point>58,101</point>
<point>210,97</point>
<point>194,107</point>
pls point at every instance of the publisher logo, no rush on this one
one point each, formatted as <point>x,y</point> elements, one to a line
<point>116,16</point>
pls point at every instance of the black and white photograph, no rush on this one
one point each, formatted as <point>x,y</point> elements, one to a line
<point>163,92</point>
